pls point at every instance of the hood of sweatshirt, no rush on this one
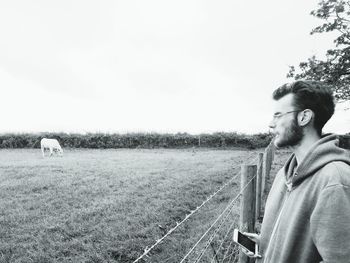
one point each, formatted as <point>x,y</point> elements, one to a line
<point>324,151</point>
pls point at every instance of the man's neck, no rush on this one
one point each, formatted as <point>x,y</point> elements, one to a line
<point>304,146</point>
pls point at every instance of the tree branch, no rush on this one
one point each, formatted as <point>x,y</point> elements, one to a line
<point>341,18</point>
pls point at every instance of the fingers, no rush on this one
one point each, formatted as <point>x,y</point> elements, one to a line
<point>248,253</point>
<point>250,234</point>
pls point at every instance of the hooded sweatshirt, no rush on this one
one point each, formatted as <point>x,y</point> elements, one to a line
<point>307,213</point>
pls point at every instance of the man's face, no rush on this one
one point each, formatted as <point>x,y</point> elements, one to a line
<point>285,124</point>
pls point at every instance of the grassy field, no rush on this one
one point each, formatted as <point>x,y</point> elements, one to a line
<point>108,205</point>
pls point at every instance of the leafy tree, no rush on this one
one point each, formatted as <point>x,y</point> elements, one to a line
<point>335,68</point>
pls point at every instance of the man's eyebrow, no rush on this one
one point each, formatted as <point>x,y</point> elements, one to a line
<point>278,112</point>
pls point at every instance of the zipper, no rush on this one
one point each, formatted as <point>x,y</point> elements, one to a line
<point>277,222</point>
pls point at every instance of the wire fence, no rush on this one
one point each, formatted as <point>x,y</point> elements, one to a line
<point>215,244</point>
<point>218,223</point>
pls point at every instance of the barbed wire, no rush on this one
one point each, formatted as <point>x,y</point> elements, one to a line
<point>211,238</point>
<point>148,249</point>
<point>228,250</point>
<point>223,240</point>
<point>217,219</point>
<point>227,233</point>
<point>234,252</point>
<point>213,235</point>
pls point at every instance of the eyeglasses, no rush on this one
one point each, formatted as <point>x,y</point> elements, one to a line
<point>276,116</point>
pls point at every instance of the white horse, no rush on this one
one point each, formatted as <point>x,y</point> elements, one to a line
<point>52,145</point>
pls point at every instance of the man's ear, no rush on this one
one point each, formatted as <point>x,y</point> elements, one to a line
<point>305,117</point>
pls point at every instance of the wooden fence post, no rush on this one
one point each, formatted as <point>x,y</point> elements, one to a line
<point>259,186</point>
<point>267,163</point>
<point>273,149</point>
<point>264,173</point>
<point>248,202</point>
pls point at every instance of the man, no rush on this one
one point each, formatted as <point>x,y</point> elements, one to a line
<point>307,213</point>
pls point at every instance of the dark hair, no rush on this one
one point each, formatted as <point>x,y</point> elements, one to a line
<point>313,95</point>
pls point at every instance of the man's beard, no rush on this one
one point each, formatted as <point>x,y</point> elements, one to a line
<point>292,136</point>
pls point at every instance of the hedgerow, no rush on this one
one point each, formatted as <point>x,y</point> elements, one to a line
<point>137,140</point>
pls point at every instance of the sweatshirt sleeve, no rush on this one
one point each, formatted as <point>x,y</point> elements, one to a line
<point>330,224</point>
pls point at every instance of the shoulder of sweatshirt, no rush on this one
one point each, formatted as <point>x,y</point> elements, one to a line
<point>335,173</point>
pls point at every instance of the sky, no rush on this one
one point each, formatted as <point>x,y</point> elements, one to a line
<point>191,66</point>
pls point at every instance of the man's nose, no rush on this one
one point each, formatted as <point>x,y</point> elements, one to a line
<point>272,124</point>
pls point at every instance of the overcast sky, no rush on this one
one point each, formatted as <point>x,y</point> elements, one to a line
<point>151,66</point>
